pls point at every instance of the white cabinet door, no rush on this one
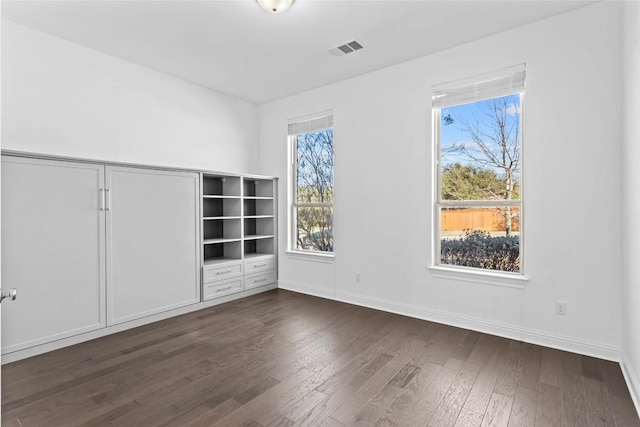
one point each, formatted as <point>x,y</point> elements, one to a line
<point>52,250</point>
<point>152,242</point>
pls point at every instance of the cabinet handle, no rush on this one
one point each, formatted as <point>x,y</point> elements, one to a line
<point>108,194</point>
<point>260,280</point>
<point>11,294</point>
<point>259,265</point>
<point>102,199</point>
<point>218,273</point>
<point>223,289</point>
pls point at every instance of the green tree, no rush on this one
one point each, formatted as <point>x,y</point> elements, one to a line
<point>466,182</point>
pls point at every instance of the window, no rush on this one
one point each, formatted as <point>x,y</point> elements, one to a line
<point>311,142</point>
<point>478,137</point>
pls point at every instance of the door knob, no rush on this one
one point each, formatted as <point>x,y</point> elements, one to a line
<point>11,294</point>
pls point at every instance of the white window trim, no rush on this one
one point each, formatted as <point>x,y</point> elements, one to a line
<point>476,275</point>
<point>503,88</point>
<point>322,118</point>
<point>326,257</point>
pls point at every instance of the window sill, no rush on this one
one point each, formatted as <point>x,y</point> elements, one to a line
<point>485,277</point>
<point>311,256</point>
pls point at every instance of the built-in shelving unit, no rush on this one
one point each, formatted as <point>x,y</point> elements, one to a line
<point>221,219</point>
<point>238,234</point>
<point>259,217</point>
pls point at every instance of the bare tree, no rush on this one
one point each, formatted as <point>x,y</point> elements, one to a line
<point>494,144</point>
<point>315,187</point>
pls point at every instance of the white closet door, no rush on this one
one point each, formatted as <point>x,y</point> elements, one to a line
<point>53,240</point>
<point>152,242</point>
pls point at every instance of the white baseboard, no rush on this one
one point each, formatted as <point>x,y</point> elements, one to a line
<point>573,345</point>
<point>465,322</point>
<point>633,381</point>
<point>308,290</point>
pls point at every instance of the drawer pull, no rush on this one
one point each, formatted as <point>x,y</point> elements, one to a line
<point>218,273</point>
<point>259,265</point>
<point>224,289</point>
<point>260,280</point>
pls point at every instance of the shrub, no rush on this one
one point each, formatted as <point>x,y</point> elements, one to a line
<point>479,250</point>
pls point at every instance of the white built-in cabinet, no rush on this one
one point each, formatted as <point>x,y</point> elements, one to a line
<point>97,247</point>
<point>53,250</point>
<point>238,234</point>
<point>152,241</point>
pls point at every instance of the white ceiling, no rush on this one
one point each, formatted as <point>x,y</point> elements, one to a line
<point>235,47</point>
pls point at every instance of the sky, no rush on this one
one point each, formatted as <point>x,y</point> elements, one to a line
<point>474,112</point>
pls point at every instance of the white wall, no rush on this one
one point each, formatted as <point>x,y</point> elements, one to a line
<point>572,185</point>
<point>631,207</point>
<point>64,99</point>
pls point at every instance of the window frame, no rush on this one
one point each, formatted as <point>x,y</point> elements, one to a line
<point>294,205</point>
<point>474,274</point>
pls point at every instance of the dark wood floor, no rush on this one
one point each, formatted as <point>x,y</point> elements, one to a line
<point>285,359</point>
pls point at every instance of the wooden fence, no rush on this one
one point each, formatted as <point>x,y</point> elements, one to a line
<point>476,219</point>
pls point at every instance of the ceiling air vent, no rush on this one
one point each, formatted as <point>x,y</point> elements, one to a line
<point>343,49</point>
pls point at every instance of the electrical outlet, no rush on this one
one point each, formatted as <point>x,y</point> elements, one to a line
<point>561,308</point>
<point>358,277</point>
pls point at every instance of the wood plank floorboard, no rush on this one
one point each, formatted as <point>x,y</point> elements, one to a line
<point>287,359</point>
<point>549,406</point>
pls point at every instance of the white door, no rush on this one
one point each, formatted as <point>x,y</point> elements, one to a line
<point>153,249</point>
<point>53,250</point>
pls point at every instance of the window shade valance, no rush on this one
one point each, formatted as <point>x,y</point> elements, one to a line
<point>311,123</point>
<point>493,85</point>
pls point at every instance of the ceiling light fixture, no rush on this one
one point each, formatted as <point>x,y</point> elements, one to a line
<point>275,6</point>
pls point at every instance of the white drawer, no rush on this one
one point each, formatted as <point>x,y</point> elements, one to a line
<point>221,288</point>
<point>262,279</point>
<point>259,264</point>
<point>215,272</point>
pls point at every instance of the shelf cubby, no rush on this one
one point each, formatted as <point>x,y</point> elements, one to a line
<point>258,207</point>
<point>221,207</point>
<point>222,252</point>
<point>258,247</point>
<point>255,187</point>
<point>226,229</point>
<point>255,228</point>
<point>218,185</point>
